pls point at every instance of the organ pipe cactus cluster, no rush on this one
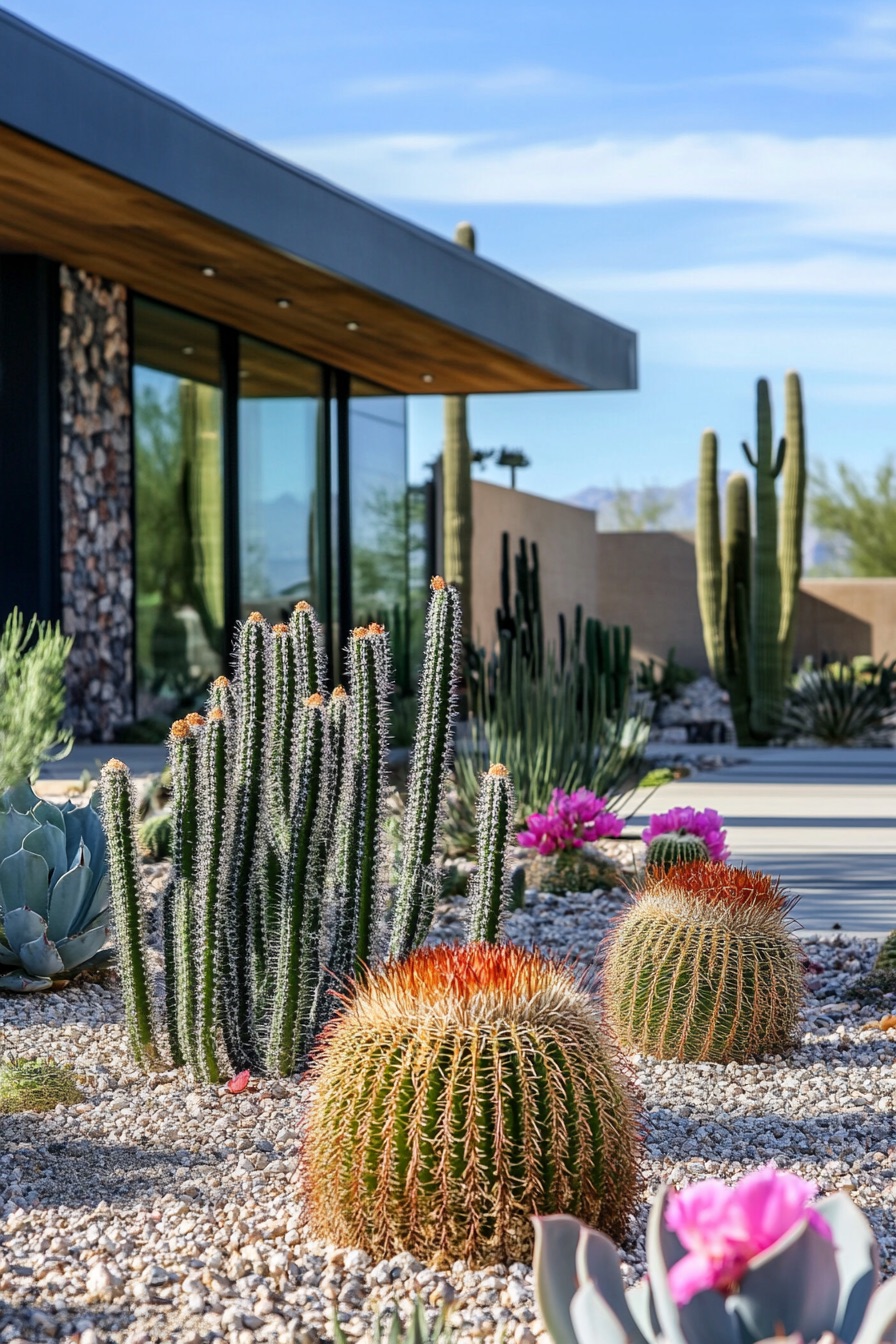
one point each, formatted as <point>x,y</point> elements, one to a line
<point>459,1091</point>
<point>277,890</point>
<point>457,483</point>
<point>703,967</point>
<point>805,1287</point>
<point>54,891</point>
<point>748,595</point>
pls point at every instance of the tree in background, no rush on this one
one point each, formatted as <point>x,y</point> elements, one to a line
<point>457,484</point>
<point>863,517</point>
<point>642,512</point>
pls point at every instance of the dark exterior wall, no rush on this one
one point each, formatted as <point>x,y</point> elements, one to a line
<point>96,501</point>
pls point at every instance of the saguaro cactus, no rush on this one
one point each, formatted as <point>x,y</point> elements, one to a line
<point>457,483</point>
<point>277,890</point>
<point>748,602</point>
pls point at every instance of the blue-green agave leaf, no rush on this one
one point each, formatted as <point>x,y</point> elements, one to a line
<point>880,1318</point>
<point>637,1300</point>
<point>20,983</point>
<point>14,826</point>
<point>48,813</point>
<point>49,843</point>
<point>597,1262</point>
<point>41,957</point>
<point>24,880</point>
<point>97,901</point>
<point>594,1321</point>
<point>66,901</point>
<point>82,946</point>
<point>791,1287</point>
<point>23,926</point>
<point>556,1240</point>
<point>663,1251</point>
<point>858,1262</point>
<point>7,956</point>
<point>21,796</point>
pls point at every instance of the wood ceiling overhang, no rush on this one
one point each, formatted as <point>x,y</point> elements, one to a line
<point>99,172</point>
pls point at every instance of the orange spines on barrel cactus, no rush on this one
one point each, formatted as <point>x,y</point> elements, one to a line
<point>703,966</point>
<point>459,1092</point>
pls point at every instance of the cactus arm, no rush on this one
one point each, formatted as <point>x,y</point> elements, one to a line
<point>311,659</point>
<point>124,869</point>
<point>779,458</point>
<point>793,501</point>
<point>457,484</point>
<point>748,454</point>
<point>213,795</point>
<point>243,827</point>
<point>738,546</point>
<point>490,896</point>
<point>708,544</point>
<point>418,882</point>
<point>180,940</point>
<point>297,970</point>
<point>280,734</point>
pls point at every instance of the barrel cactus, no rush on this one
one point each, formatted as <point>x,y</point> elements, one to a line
<point>675,847</point>
<point>36,1085</point>
<point>703,966</point>
<point>576,870</point>
<point>54,891</point>
<point>459,1092</point>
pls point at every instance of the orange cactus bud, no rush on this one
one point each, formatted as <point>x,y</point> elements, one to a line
<point>438,584</point>
<point>255,617</point>
<point>180,730</point>
<point>338,693</point>
<point>280,629</point>
<point>114,763</point>
<point>498,769</point>
<point>215,715</point>
<point>360,632</point>
<point>313,701</point>
<point>375,629</point>
<point>196,720</point>
<point>220,682</point>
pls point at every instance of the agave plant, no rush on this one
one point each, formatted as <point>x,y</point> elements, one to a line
<point>816,1282</point>
<point>54,891</point>
<point>841,705</point>
<point>387,1328</point>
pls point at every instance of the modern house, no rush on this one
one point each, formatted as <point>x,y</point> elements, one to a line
<point>204,359</point>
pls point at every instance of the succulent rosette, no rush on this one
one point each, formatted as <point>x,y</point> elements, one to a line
<point>754,1263</point>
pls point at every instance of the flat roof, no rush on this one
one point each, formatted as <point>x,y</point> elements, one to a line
<point>100,172</point>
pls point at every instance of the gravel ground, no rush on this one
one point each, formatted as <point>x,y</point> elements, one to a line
<point>158,1210</point>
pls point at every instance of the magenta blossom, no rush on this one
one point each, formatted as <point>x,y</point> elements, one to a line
<point>723,1228</point>
<point>572,819</point>
<point>707,826</point>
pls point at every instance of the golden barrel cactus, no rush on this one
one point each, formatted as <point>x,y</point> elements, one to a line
<point>703,966</point>
<point>459,1092</point>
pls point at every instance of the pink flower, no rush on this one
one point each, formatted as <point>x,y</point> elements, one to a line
<point>572,819</point>
<point>707,826</point>
<point>723,1228</point>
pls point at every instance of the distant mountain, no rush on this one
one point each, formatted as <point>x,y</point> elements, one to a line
<point>658,508</point>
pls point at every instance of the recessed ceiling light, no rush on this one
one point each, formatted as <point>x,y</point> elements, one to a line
<point>426,377</point>
<point>244,373</point>
<point>209,272</point>
<point>353,326</point>
<point>284,303</point>
<point>187,350</point>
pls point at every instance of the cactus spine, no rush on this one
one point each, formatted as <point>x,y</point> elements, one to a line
<point>703,967</point>
<point>458,1092</point>
<point>260,844</point>
<point>749,617</point>
<point>124,868</point>
<point>419,880</point>
<point>490,889</point>
<point>457,483</point>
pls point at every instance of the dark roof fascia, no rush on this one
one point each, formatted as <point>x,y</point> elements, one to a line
<point>55,94</point>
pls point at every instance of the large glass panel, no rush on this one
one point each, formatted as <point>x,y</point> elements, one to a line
<point>179,542</point>
<point>280,420</point>
<point>379,519</point>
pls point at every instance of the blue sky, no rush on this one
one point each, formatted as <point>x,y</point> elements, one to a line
<point>722,178</point>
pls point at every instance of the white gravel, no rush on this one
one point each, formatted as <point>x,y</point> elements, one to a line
<point>159,1210</point>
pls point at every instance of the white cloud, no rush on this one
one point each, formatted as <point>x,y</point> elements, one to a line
<point>871,38</point>
<point>834,274</point>
<point>836,185</point>
<point>509,82</point>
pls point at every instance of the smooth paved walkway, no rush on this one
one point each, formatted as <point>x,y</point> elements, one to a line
<point>823,820</point>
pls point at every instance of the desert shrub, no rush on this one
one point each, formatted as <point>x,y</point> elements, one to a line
<point>32,697</point>
<point>842,705</point>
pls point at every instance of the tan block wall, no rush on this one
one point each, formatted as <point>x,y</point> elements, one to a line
<point>847,616</point>
<point>566,544</point>
<point>648,580</point>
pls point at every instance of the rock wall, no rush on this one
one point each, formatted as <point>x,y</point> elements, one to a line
<point>96,493</point>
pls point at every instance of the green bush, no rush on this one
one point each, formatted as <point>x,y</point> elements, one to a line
<point>32,697</point>
<point>843,704</point>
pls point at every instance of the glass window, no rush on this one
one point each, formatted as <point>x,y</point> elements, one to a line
<point>280,421</point>
<point>178,489</point>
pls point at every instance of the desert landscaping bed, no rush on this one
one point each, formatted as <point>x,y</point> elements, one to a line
<point>156,1209</point>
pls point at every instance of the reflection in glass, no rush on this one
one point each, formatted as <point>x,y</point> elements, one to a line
<point>179,541</point>
<point>280,418</point>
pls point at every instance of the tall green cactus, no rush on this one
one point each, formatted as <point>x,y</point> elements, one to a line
<point>457,483</point>
<point>277,889</point>
<point>490,893</point>
<point>748,603</point>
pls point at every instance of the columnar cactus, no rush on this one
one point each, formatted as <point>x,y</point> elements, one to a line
<point>703,967</point>
<point>748,606</point>
<point>490,887</point>
<point>457,483</point>
<point>460,1091</point>
<point>277,885</point>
